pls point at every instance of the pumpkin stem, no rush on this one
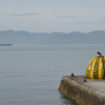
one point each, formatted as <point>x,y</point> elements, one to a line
<point>99,54</point>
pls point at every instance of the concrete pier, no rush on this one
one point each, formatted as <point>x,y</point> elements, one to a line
<point>91,92</point>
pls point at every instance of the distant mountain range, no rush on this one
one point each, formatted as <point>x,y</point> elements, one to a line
<point>23,37</point>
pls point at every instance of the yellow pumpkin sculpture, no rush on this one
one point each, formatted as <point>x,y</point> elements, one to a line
<point>96,67</point>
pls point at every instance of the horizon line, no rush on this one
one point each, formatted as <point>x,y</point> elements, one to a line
<point>53,31</point>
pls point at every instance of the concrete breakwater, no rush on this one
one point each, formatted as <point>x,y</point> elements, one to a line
<point>91,92</point>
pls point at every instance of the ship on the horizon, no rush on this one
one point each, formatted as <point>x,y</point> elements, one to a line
<point>8,44</point>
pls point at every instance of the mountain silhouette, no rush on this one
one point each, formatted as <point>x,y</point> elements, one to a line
<point>23,37</point>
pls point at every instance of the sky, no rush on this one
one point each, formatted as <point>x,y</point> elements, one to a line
<point>52,15</point>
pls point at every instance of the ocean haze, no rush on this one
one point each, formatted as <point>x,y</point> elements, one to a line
<point>24,37</point>
<point>52,15</point>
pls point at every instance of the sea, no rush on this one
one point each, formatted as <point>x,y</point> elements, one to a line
<point>31,74</point>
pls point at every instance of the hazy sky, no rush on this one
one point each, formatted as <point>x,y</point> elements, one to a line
<point>52,15</point>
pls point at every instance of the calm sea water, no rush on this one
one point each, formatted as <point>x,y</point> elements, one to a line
<point>30,75</point>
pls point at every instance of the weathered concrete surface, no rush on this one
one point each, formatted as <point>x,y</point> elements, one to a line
<point>91,92</point>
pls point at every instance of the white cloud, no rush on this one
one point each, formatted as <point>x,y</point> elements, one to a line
<point>67,17</point>
<point>25,14</point>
